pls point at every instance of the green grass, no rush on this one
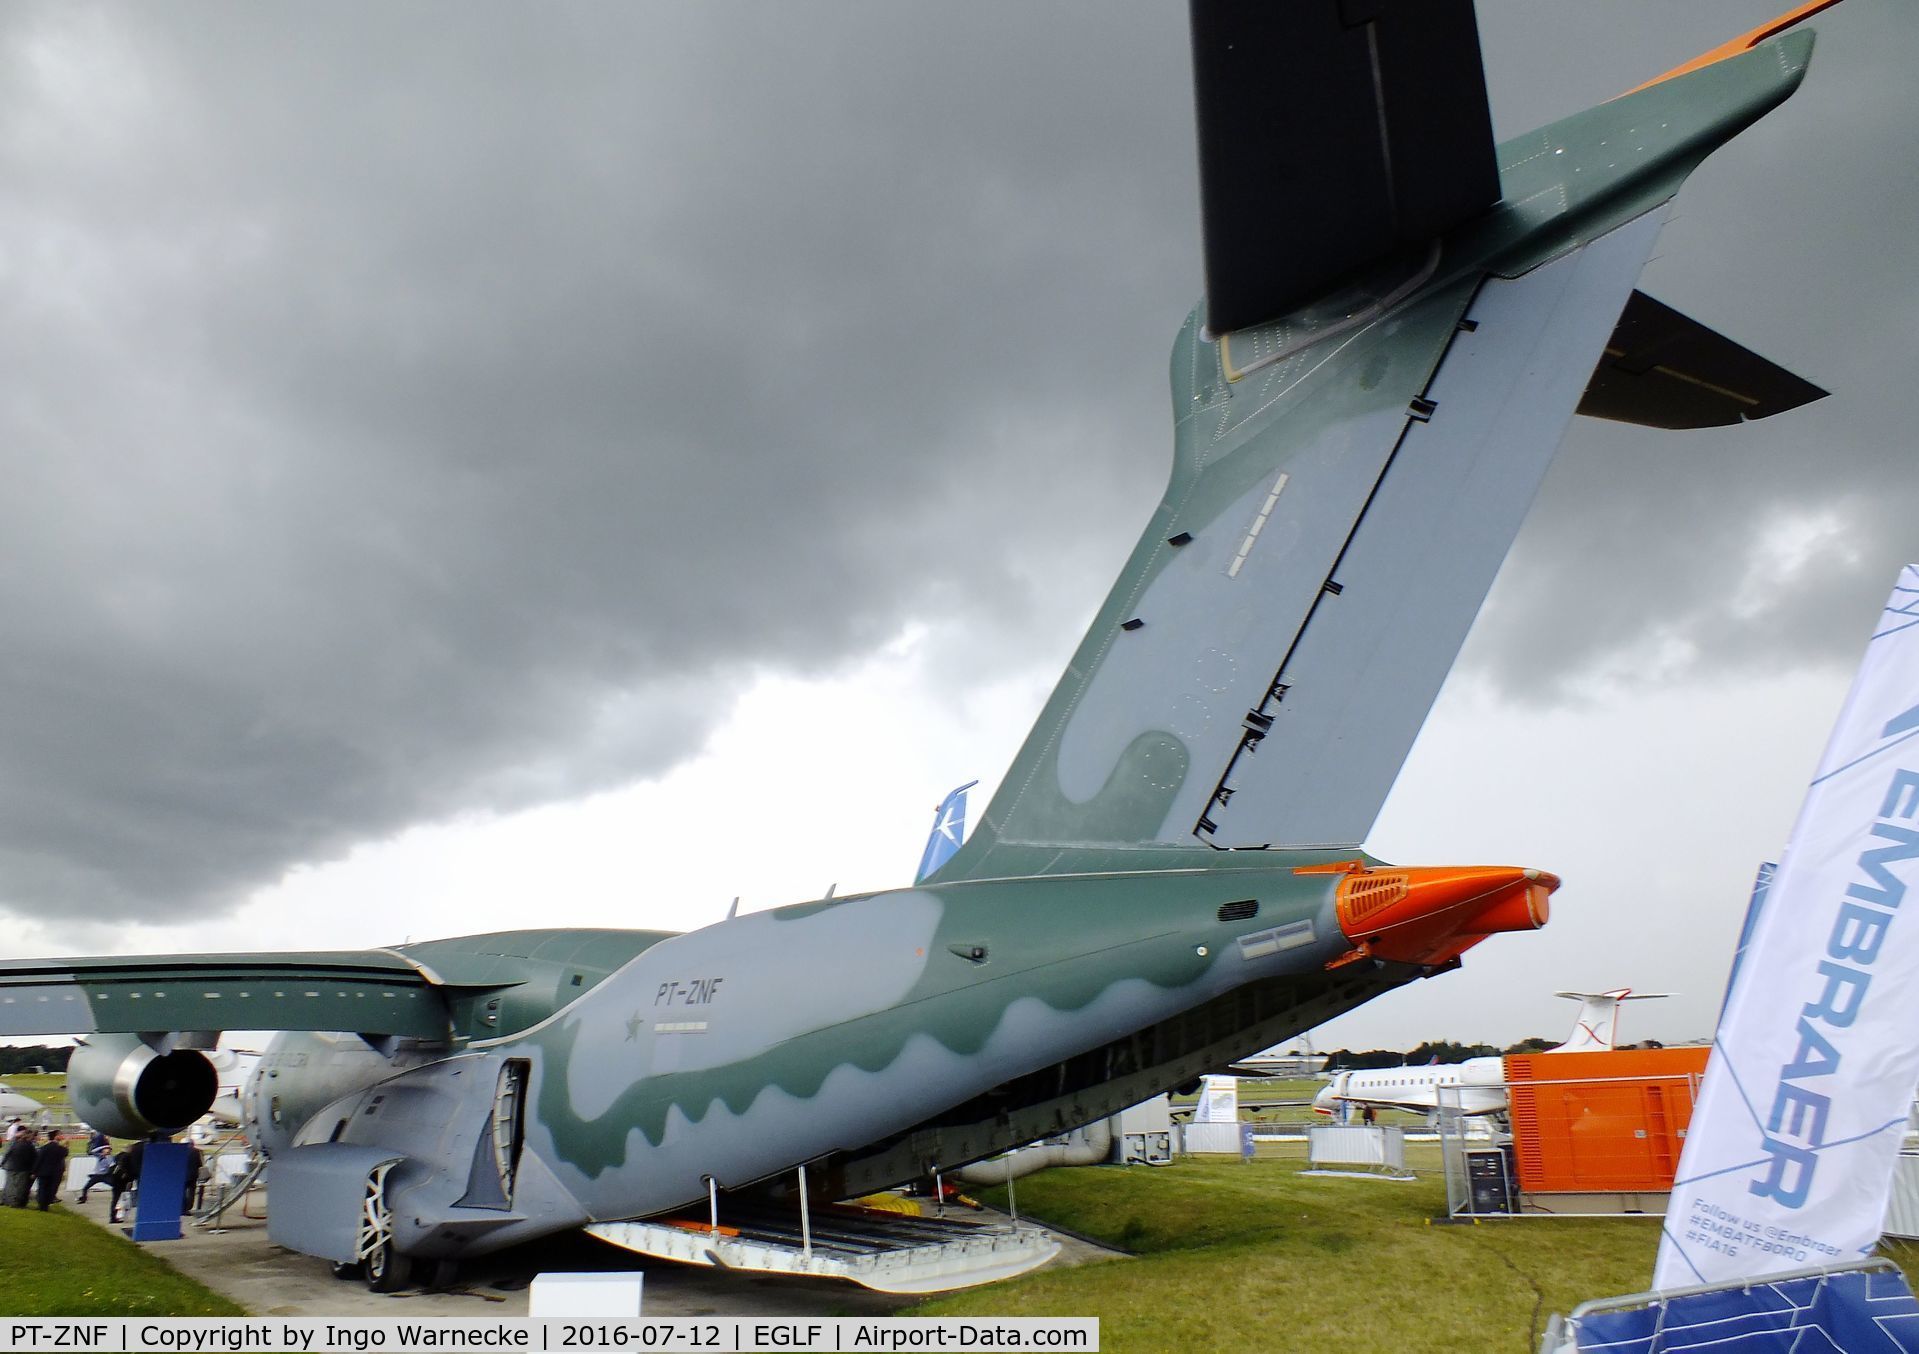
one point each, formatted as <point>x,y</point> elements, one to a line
<point>60,1264</point>
<point>49,1088</point>
<point>1269,1088</point>
<point>1226,1248</point>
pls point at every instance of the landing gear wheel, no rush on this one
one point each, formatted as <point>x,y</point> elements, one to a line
<point>386,1268</point>
<point>341,1271</point>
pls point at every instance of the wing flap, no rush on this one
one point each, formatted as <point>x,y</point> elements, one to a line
<point>364,991</point>
<point>1332,133</point>
<point>1664,369</point>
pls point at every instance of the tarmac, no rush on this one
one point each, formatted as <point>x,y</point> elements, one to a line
<point>237,1261</point>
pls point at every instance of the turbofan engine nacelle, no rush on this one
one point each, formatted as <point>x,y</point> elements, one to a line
<point>119,1085</point>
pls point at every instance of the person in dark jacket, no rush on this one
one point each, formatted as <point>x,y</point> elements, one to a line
<point>135,1156</point>
<point>49,1164</point>
<point>128,1179</point>
<point>119,1180</point>
<point>195,1161</point>
<point>18,1165</point>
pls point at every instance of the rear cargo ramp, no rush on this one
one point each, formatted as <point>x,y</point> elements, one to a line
<point>888,1252</point>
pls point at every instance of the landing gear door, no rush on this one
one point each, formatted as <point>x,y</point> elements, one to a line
<point>324,1196</point>
<point>496,1156</point>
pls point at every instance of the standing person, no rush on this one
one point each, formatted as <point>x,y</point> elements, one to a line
<point>97,1144</point>
<point>17,1162</point>
<point>195,1162</point>
<point>129,1178</point>
<point>118,1178</point>
<point>49,1164</point>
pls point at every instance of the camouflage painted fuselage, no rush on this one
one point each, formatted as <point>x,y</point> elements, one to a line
<point>876,1038</point>
<point>794,1035</point>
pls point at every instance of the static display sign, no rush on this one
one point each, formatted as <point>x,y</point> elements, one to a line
<point>1793,1139</point>
<point>1218,1101</point>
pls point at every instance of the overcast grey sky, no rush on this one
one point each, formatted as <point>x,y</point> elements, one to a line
<point>418,415</point>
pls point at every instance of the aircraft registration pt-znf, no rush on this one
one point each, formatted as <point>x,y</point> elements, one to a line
<point>1400,320</point>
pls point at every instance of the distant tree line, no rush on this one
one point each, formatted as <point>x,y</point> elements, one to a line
<point>1446,1051</point>
<point>29,1057</point>
<point>1432,1051</point>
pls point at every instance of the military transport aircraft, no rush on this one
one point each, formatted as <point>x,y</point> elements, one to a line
<point>1400,318</point>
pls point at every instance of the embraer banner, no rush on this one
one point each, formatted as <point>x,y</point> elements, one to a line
<point>1791,1148</point>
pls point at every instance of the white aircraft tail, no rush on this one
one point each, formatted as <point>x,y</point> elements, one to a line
<point>1597,1027</point>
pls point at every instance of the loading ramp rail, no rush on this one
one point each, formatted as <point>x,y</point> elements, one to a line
<point>888,1252</point>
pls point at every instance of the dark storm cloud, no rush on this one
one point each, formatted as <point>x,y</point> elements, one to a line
<point>1771,546</point>
<point>413,410</point>
<point>418,410</point>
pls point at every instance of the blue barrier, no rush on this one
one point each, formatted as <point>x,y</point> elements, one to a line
<point>163,1187</point>
<point>1857,1309</point>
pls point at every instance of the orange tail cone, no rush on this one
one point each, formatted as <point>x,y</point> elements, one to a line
<point>1428,915</point>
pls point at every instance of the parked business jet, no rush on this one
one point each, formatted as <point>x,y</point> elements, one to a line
<point>14,1105</point>
<point>1478,1085</point>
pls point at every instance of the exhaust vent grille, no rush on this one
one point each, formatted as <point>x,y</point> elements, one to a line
<point>1363,895</point>
<point>1243,910</point>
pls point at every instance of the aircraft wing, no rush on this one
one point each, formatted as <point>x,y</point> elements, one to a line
<point>374,992</point>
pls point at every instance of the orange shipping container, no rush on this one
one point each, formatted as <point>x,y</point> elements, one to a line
<point>1613,1122</point>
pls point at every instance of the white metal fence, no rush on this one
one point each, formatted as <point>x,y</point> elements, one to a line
<point>1368,1145</point>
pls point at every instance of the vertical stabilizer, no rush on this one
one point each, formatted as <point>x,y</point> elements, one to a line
<point>1347,477</point>
<point>1596,1029</point>
<point>949,829</point>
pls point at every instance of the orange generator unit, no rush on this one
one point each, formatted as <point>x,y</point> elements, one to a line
<point>1601,1123</point>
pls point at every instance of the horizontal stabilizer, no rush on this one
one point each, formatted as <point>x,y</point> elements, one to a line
<point>1662,369</point>
<point>1332,133</point>
<point>1744,43</point>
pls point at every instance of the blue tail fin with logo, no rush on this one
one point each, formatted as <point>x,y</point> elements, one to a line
<point>949,828</point>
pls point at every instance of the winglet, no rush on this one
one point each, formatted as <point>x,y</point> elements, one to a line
<point>1745,42</point>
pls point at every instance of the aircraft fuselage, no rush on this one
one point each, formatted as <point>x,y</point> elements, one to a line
<point>807,1034</point>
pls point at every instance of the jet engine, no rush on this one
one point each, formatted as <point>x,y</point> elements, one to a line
<point>119,1085</point>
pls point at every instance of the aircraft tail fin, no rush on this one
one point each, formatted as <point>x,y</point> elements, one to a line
<point>1348,474</point>
<point>949,828</point>
<point>1596,1029</point>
